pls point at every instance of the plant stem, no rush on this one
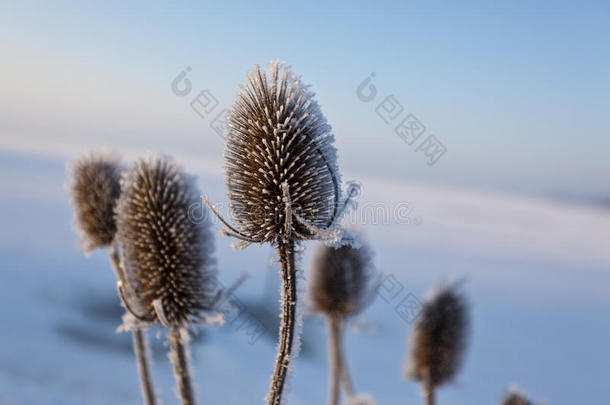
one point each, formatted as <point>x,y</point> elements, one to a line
<point>289,300</point>
<point>140,348</point>
<point>348,387</point>
<point>430,397</point>
<point>179,358</point>
<point>140,342</point>
<point>334,357</point>
<point>429,392</point>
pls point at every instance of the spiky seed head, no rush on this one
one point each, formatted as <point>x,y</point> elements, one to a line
<point>94,191</point>
<point>168,255</point>
<point>280,163</point>
<point>339,279</point>
<point>440,337</point>
<point>516,397</point>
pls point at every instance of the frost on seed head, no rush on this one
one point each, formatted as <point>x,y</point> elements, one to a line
<point>440,337</point>
<point>94,191</point>
<point>168,256</point>
<point>339,279</point>
<point>280,163</point>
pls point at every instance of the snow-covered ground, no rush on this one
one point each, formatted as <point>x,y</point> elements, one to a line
<point>537,277</point>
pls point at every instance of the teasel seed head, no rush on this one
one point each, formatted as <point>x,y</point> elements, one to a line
<point>94,191</point>
<point>440,337</point>
<point>339,279</point>
<point>280,163</point>
<point>168,256</point>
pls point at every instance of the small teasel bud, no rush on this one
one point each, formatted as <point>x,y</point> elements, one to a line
<point>168,255</point>
<point>94,191</point>
<point>339,279</point>
<point>439,339</point>
<point>280,163</point>
<point>339,288</point>
<point>516,397</point>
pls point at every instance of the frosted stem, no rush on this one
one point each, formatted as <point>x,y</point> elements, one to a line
<point>289,300</point>
<point>334,358</point>
<point>346,380</point>
<point>179,358</point>
<point>429,392</point>
<point>140,348</point>
<point>116,265</point>
<point>140,343</point>
<point>430,397</point>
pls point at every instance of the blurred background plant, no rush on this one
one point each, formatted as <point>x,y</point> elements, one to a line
<point>339,287</point>
<point>95,190</point>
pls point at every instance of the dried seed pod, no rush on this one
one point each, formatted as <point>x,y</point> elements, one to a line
<point>280,164</point>
<point>168,255</point>
<point>95,189</point>
<point>439,338</point>
<point>339,279</point>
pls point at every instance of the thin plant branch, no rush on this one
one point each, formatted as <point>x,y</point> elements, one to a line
<point>428,390</point>
<point>346,380</point>
<point>140,342</point>
<point>141,350</point>
<point>334,357</point>
<point>179,357</point>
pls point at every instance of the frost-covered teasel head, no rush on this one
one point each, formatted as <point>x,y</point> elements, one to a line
<point>280,163</point>
<point>440,337</point>
<point>168,255</point>
<point>95,188</point>
<point>339,279</point>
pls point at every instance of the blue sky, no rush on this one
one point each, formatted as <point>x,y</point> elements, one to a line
<point>518,93</point>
